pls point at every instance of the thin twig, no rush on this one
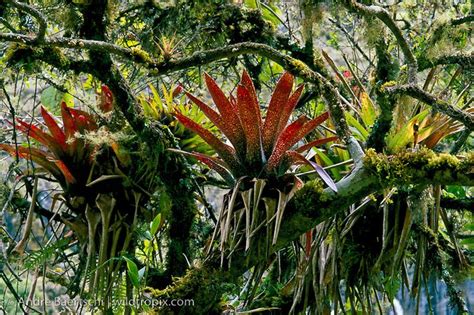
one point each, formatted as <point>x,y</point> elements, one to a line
<point>20,247</point>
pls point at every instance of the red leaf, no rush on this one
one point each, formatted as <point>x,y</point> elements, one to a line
<point>315,143</point>
<point>226,152</point>
<point>284,142</point>
<point>65,171</point>
<point>218,121</point>
<point>34,132</point>
<point>213,163</point>
<point>249,116</point>
<point>225,108</point>
<point>38,156</point>
<point>177,90</point>
<point>54,128</point>
<point>248,83</point>
<point>106,99</point>
<point>275,108</point>
<point>307,128</point>
<point>290,136</point>
<point>69,124</point>
<point>288,109</point>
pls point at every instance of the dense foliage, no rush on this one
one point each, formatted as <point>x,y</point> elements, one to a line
<point>200,157</point>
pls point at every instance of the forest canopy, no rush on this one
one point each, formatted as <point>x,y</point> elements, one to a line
<point>211,156</point>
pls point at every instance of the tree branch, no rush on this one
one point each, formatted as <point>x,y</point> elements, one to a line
<point>295,66</point>
<point>312,205</point>
<point>387,70</point>
<point>40,18</point>
<point>464,60</point>
<point>458,204</point>
<point>437,104</point>
<point>384,16</point>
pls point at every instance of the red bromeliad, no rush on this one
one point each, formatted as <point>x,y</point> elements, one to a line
<point>67,157</point>
<point>261,148</point>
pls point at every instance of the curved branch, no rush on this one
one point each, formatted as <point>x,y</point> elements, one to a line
<point>439,105</point>
<point>295,66</point>
<point>464,60</point>
<point>40,18</point>
<point>384,16</point>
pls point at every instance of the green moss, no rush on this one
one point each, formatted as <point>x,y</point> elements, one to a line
<point>141,55</point>
<point>423,163</point>
<point>26,57</point>
<point>388,84</point>
<point>309,195</point>
<point>11,50</point>
<point>298,66</point>
<point>202,285</point>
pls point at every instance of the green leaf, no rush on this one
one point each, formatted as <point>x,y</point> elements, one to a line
<point>141,273</point>
<point>132,271</point>
<point>157,104</point>
<point>368,111</point>
<point>51,98</point>
<point>327,161</point>
<point>391,287</point>
<point>363,133</point>
<point>155,224</point>
<point>165,203</point>
<point>468,242</point>
<point>68,99</point>
<point>405,135</point>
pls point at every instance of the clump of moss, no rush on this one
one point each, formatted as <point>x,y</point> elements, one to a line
<point>26,57</point>
<point>298,66</point>
<point>309,195</point>
<point>423,163</point>
<point>141,55</point>
<point>387,85</point>
<point>204,286</point>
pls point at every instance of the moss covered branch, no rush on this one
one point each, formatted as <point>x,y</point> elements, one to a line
<point>465,60</point>
<point>437,104</point>
<point>386,70</point>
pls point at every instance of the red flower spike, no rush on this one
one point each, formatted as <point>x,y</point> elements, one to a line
<point>225,107</point>
<point>275,108</point>
<point>86,120</point>
<point>54,128</point>
<point>248,114</point>
<point>226,152</point>
<point>106,99</point>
